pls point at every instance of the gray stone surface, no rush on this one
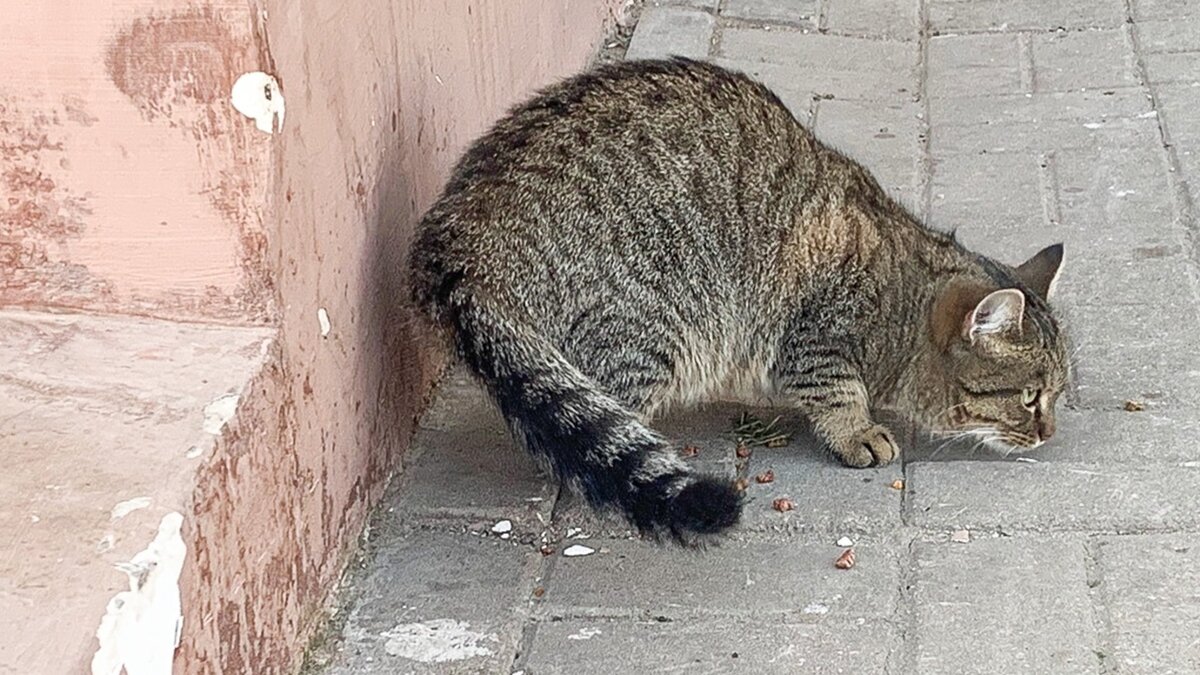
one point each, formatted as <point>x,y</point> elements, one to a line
<point>1021,123</point>
<point>1152,585</point>
<point>672,31</point>
<point>437,603</point>
<point>1000,15</point>
<point>1051,496</point>
<point>741,645</point>
<point>893,19</point>
<point>464,469</point>
<point>1003,605</point>
<point>794,12</point>
<point>777,580</point>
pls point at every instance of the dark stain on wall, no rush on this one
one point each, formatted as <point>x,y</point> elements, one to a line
<point>39,215</point>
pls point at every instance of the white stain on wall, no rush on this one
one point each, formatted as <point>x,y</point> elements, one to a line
<point>140,629</point>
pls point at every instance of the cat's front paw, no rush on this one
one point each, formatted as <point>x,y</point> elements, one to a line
<point>870,447</point>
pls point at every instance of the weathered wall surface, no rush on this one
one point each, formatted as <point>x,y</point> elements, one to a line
<point>381,97</point>
<point>127,182</point>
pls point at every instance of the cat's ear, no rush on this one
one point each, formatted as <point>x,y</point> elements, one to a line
<point>999,312</point>
<point>1041,271</point>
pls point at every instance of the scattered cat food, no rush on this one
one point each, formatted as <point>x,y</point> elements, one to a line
<point>846,560</point>
<point>845,542</point>
<point>960,536</point>
<point>743,451</point>
<point>539,592</point>
<point>1134,406</point>
<point>741,484</point>
<point>689,451</point>
<point>547,549</point>
<point>767,476</point>
<point>577,550</point>
<point>897,484</point>
<point>502,527</point>
<point>783,504</point>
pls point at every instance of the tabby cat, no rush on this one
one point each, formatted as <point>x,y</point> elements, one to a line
<point>664,232</point>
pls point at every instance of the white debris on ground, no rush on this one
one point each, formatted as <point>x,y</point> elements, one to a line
<point>578,550</point>
<point>502,527</point>
<point>960,536</point>
<point>845,542</point>
<point>436,641</point>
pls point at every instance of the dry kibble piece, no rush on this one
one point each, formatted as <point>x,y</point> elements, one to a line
<point>547,550</point>
<point>1134,406</point>
<point>783,504</point>
<point>689,451</point>
<point>897,484</point>
<point>539,592</point>
<point>767,476</point>
<point>846,560</point>
<point>741,484</point>
<point>743,451</point>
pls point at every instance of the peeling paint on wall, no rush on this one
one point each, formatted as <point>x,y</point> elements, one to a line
<point>219,412</point>
<point>140,629</point>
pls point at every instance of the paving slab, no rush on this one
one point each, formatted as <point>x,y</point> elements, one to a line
<point>436,603</point>
<point>464,468</point>
<point>672,31</point>
<point>780,581</point>
<point>707,646</point>
<point>792,12</point>
<point>1003,605</point>
<point>1152,586</point>
<point>1006,15</point>
<point>1052,496</point>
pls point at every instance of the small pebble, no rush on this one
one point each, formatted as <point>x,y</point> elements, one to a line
<point>960,536</point>
<point>502,527</point>
<point>845,542</point>
<point>578,550</point>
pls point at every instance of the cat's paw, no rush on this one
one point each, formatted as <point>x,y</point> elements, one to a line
<point>870,447</point>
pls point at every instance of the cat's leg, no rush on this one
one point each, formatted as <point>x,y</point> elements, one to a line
<point>823,384</point>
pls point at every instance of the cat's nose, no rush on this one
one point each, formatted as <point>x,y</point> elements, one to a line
<point>1045,428</point>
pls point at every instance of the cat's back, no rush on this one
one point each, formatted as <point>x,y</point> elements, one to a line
<point>643,165</point>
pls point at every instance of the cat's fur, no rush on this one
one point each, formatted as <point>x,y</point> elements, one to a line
<point>659,232</point>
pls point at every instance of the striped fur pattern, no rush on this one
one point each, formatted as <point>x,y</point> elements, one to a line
<point>665,232</point>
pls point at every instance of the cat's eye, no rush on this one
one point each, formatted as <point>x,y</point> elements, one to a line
<point>1030,396</point>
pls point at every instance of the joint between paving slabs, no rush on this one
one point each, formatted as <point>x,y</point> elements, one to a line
<point>1097,594</point>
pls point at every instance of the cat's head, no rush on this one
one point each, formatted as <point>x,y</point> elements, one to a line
<point>1003,360</point>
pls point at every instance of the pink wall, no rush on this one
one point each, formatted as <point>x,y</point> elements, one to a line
<point>128,183</point>
<point>381,97</point>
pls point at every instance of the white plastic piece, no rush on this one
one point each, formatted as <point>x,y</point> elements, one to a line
<point>578,550</point>
<point>257,96</point>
